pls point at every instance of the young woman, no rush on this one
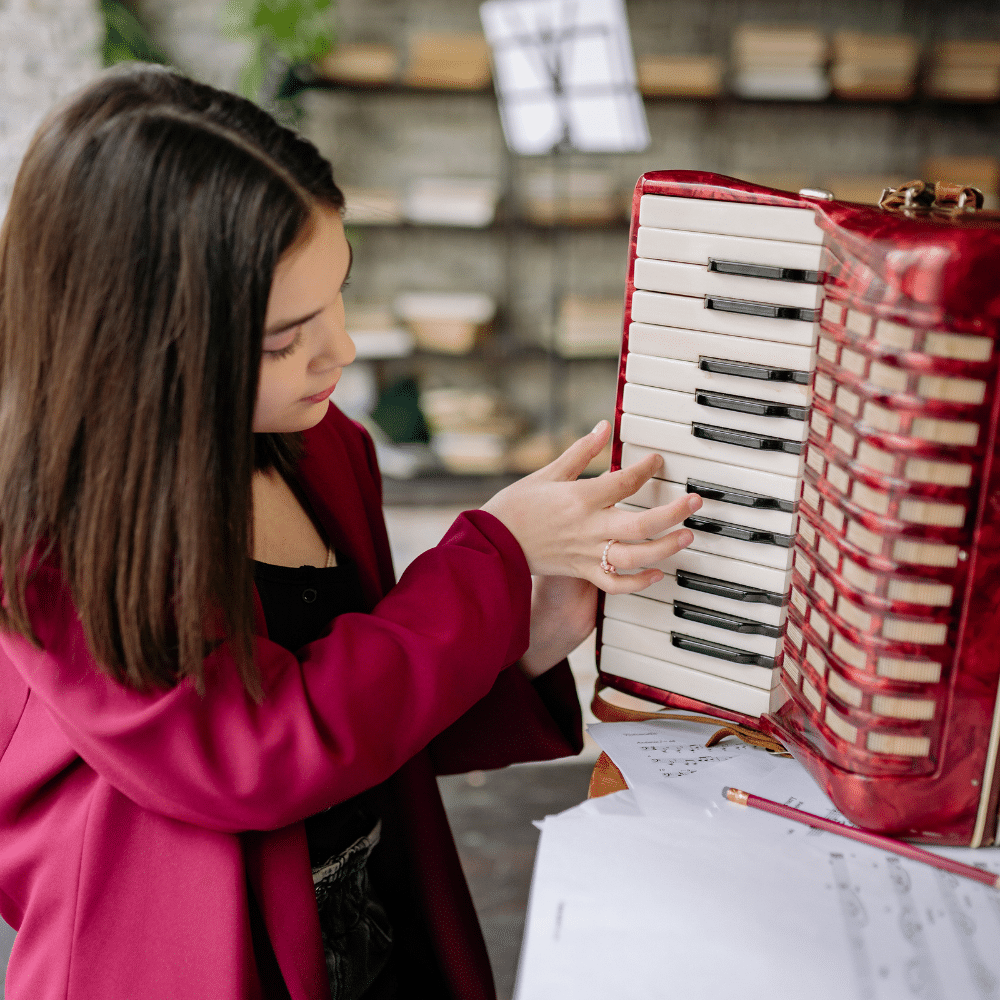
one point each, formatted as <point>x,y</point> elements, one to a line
<point>220,716</point>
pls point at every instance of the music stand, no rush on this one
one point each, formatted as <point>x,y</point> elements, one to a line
<point>565,81</point>
<point>565,76</point>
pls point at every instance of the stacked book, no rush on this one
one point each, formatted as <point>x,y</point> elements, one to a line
<point>680,75</point>
<point>452,201</point>
<point>589,327</point>
<point>446,322</point>
<point>877,67</point>
<point>964,71</point>
<point>471,429</point>
<point>366,63</point>
<point>449,61</point>
<point>574,197</point>
<point>780,63</point>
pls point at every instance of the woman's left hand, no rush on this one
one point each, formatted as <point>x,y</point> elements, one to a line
<point>563,614</point>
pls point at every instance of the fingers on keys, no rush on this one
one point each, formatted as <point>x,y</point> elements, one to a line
<point>638,525</point>
<point>643,541</point>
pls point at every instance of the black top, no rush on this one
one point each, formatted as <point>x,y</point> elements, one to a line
<point>299,605</point>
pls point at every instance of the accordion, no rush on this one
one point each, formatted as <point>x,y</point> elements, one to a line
<point>824,375</point>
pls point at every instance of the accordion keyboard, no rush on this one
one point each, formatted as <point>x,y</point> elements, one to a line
<point>717,370</point>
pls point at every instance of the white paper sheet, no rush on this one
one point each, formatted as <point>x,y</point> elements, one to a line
<point>698,895</point>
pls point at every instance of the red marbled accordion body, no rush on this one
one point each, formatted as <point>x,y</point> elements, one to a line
<point>890,661</point>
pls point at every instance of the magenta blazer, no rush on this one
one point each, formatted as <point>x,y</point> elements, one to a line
<point>133,825</point>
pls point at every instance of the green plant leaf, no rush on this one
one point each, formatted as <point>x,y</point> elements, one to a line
<point>125,39</point>
<point>293,31</point>
<point>251,80</point>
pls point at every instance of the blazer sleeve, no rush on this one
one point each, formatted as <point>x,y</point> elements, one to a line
<point>342,717</point>
<point>519,720</point>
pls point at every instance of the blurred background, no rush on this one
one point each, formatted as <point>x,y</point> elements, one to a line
<point>486,294</point>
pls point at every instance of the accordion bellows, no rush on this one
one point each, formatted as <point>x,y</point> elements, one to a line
<point>824,375</point>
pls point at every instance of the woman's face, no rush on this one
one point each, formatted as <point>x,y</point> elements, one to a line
<point>305,339</point>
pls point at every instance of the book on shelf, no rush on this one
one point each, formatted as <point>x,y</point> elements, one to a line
<point>575,197</point>
<point>446,322</point>
<point>685,75</point>
<point>589,327</point>
<point>448,60</point>
<point>964,71</point>
<point>780,63</point>
<point>452,201</point>
<point>881,67</point>
<point>367,63</point>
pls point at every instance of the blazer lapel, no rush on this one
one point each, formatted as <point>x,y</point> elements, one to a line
<point>342,495</point>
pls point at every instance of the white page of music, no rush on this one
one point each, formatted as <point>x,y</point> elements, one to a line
<point>669,890</point>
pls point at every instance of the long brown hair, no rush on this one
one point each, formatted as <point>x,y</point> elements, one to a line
<point>136,259</point>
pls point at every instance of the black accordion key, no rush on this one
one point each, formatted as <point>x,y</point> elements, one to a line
<point>727,530</point>
<point>747,369</point>
<point>759,501</point>
<point>720,652</point>
<point>757,407</point>
<point>768,310</point>
<point>723,588</point>
<point>731,623</point>
<point>762,271</point>
<point>745,439</point>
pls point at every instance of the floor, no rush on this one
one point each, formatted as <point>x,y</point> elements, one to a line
<point>491,812</point>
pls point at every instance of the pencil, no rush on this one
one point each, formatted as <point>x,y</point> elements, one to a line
<point>742,798</point>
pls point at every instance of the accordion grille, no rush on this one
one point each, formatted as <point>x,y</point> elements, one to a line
<point>899,422</point>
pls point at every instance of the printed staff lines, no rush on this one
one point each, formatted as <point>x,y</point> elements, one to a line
<point>965,930</point>
<point>855,921</point>
<point>920,973</point>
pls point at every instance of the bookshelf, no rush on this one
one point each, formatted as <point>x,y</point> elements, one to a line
<point>383,135</point>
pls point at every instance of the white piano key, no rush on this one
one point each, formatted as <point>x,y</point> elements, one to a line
<point>682,407</point>
<point>680,438</point>
<point>691,313</point>
<point>686,376</point>
<point>657,492</point>
<point>730,218</point>
<point>680,468</point>
<point>699,248</point>
<point>670,588</point>
<point>761,553</point>
<point>692,345</point>
<point>683,679</point>
<point>659,646</point>
<point>737,571</point>
<point>661,617</point>
<point>692,279</point>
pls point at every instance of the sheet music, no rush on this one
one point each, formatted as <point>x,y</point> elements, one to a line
<point>659,755</point>
<point>656,751</point>
<point>698,896</point>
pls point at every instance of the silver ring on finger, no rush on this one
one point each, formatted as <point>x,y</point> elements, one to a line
<point>605,565</point>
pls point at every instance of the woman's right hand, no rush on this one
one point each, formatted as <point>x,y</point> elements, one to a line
<point>564,524</point>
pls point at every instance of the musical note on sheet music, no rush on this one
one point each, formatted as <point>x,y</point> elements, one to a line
<point>645,751</point>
